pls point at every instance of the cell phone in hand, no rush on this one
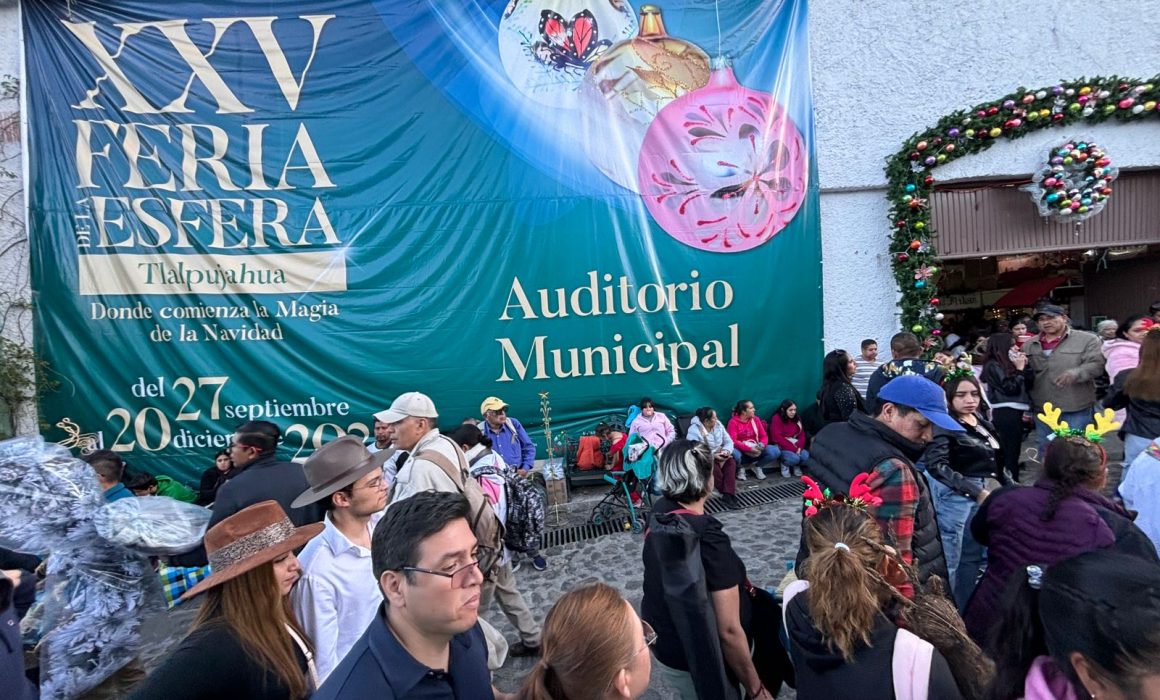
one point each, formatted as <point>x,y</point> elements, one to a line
<point>1014,353</point>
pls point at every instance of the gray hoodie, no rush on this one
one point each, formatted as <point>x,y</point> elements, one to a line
<point>717,439</point>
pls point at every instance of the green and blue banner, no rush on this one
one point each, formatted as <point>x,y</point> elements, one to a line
<point>296,211</point>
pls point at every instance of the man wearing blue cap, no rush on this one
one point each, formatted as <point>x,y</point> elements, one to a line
<point>886,446</point>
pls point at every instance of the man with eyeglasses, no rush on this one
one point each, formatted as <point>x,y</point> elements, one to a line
<point>262,476</point>
<point>885,447</point>
<point>337,597</point>
<point>425,641</point>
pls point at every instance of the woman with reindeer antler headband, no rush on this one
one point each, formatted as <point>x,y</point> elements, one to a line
<point>851,632</point>
<point>1060,516</point>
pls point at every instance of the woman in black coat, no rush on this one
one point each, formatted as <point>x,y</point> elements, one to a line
<point>838,397</point>
<point>1008,378</point>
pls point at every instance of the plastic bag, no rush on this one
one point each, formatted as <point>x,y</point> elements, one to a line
<point>96,591</point>
<point>153,525</point>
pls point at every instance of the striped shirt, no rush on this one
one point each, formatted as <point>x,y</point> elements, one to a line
<point>861,378</point>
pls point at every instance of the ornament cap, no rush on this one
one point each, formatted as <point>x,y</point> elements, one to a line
<point>721,72</point>
<point>652,26</point>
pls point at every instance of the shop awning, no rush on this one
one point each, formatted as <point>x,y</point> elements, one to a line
<point>1029,292</point>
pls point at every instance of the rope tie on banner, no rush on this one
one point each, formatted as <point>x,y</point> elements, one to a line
<point>717,12</point>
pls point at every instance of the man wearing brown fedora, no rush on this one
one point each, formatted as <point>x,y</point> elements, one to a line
<point>426,641</point>
<point>337,596</point>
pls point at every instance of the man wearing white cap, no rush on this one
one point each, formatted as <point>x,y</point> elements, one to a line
<point>416,432</point>
<point>416,429</point>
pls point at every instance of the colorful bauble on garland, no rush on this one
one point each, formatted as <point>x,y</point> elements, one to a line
<point>1075,181</point>
<point>723,168</point>
<point>628,86</point>
<point>547,46</point>
<point>971,131</point>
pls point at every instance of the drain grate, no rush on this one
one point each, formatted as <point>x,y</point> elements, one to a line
<point>751,498</point>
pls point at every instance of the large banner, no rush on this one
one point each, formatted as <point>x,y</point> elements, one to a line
<point>240,211</point>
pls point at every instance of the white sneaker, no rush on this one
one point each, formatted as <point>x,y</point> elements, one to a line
<point>741,475</point>
<point>785,472</point>
<point>797,471</point>
<point>759,473</point>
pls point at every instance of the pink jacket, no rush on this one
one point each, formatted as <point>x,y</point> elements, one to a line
<point>780,432</point>
<point>1120,355</point>
<point>658,431</point>
<point>1046,682</point>
<point>741,431</point>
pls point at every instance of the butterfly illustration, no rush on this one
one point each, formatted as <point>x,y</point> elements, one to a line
<point>569,44</point>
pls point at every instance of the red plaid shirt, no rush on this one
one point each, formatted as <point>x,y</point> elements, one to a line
<point>894,482</point>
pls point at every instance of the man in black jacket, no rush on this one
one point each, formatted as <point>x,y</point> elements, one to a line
<point>261,477</point>
<point>885,447</point>
<point>905,359</point>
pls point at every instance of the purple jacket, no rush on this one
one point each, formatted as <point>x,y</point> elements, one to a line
<point>1008,524</point>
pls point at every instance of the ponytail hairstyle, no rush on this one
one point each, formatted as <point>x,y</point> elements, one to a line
<point>469,435</point>
<point>1071,462</point>
<point>846,591</point>
<point>588,638</point>
<point>1102,604</point>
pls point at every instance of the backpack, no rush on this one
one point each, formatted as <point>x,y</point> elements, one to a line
<point>481,517</point>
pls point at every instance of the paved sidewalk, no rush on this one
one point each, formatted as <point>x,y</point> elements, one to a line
<point>764,537</point>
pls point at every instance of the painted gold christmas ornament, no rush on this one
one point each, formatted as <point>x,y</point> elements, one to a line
<point>628,86</point>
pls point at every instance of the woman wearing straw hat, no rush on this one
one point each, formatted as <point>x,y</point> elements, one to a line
<point>245,642</point>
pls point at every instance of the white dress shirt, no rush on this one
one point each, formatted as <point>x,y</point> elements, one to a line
<point>337,597</point>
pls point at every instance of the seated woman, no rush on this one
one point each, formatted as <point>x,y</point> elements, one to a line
<point>594,646</point>
<point>1088,626</point>
<point>245,642</point>
<point>213,478</point>
<point>654,427</point>
<point>751,446</point>
<point>695,661</point>
<point>707,429</point>
<point>840,637</point>
<point>787,434</point>
<point>1062,515</point>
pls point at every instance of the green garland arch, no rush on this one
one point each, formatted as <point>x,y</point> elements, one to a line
<point>910,179</point>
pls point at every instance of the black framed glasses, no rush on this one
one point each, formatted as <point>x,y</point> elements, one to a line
<point>461,576</point>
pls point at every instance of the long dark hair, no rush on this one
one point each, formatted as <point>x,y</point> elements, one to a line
<point>783,409</point>
<point>998,350</point>
<point>1071,463</point>
<point>1144,381</point>
<point>1102,604</point>
<point>469,435</point>
<point>1123,328</point>
<point>952,385</point>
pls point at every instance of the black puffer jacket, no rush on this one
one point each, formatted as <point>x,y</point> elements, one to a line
<point>953,457</point>
<point>1005,388</point>
<point>842,451</point>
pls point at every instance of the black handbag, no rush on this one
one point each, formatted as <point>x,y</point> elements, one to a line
<point>770,658</point>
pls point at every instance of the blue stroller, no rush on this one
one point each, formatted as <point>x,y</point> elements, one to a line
<point>631,492</point>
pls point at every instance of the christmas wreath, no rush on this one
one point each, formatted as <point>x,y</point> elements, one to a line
<point>1075,181</point>
<point>910,179</point>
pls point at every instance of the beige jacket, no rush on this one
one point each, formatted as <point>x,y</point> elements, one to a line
<point>1078,353</point>
<point>420,475</point>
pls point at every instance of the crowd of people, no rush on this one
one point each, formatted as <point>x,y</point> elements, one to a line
<point>934,561</point>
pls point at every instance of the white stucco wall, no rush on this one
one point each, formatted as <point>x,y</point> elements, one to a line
<point>885,69</point>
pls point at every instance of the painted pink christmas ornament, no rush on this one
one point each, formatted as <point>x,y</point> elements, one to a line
<point>723,168</point>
